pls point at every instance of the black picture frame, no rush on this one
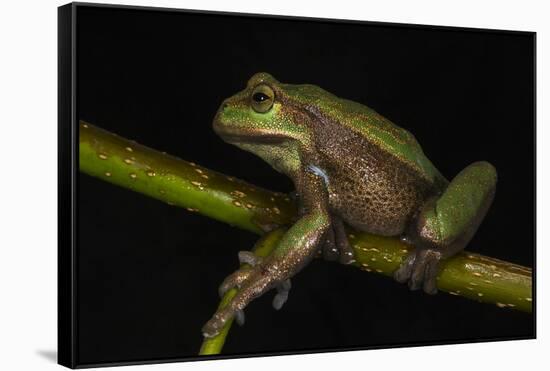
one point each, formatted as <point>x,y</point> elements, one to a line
<point>69,184</point>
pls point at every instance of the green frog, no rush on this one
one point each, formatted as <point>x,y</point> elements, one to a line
<point>350,166</point>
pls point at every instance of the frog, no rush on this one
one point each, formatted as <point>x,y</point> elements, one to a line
<point>351,168</point>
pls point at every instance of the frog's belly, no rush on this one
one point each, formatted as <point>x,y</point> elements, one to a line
<point>378,204</point>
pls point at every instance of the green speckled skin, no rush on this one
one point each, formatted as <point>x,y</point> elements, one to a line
<point>349,166</point>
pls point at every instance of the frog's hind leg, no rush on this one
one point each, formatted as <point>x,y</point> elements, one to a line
<point>446,224</point>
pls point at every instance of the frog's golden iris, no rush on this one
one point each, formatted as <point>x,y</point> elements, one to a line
<point>262,98</point>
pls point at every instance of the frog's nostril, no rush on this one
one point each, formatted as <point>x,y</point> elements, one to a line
<point>224,105</point>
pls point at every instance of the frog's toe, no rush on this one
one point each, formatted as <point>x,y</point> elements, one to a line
<point>346,252</point>
<point>216,323</point>
<point>403,273</point>
<point>430,277</point>
<point>235,279</point>
<point>248,257</point>
<point>239,317</point>
<point>282,294</point>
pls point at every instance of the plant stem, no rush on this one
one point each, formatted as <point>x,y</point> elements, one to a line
<point>184,184</point>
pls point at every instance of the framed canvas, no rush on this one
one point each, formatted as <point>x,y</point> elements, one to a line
<point>235,185</point>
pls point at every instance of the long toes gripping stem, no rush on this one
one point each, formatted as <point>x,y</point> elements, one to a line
<point>420,269</point>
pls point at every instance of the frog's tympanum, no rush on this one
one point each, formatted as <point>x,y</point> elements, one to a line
<point>349,165</point>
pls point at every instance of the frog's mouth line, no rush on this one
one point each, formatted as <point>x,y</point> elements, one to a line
<point>241,136</point>
<point>244,138</point>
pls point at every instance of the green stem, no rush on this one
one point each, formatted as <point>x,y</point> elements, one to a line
<point>184,184</point>
<point>263,248</point>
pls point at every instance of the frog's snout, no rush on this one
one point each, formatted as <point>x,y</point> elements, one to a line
<point>217,125</point>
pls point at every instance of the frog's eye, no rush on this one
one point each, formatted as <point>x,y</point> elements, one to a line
<point>262,98</point>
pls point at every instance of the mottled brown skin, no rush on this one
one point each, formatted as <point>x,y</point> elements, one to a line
<point>349,166</point>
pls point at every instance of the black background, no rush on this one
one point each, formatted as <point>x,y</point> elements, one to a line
<point>148,272</point>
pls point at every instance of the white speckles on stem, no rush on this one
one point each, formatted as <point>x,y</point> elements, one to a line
<point>496,275</point>
<point>480,294</point>
<point>85,126</point>
<point>129,149</point>
<point>102,156</point>
<point>239,194</point>
<point>237,203</point>
<point>477,274</point>
<point>133,175</point>
<point>150,173</point>
<point>128,161</point>
<point>529,299</point>
<point>108,174</point>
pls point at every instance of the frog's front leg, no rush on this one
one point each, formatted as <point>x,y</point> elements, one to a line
<point>446,224</point>
<point>295,249</point>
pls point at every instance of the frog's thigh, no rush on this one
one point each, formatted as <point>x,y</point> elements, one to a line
<point>446,224</point>
<point>450,221</point>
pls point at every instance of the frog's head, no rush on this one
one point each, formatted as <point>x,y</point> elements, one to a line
<point>269,119</point>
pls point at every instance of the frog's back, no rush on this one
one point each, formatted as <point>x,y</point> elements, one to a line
<point>370,125</point>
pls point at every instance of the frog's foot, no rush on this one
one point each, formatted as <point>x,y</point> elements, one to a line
<point>245,278</point>
<point>342,243</point>
<point>256,283</point>
<point>336,245</point>
<point>420,269</point>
